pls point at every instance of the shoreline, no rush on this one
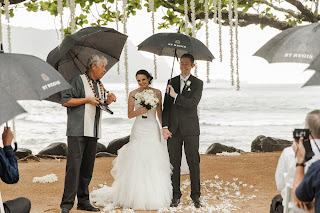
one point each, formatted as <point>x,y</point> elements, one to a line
<point>242,183</point>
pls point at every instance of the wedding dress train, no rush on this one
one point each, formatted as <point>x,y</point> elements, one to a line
<point>142,170</point>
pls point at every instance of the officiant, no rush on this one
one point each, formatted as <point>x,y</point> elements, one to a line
<point>83,103</point>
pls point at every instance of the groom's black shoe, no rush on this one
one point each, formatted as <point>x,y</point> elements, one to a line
<point>197,203</point>
<point>174,202</point>
<point>64,210</point>
<point>88,207</point>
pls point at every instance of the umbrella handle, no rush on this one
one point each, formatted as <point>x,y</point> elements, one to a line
<point>15,146</point>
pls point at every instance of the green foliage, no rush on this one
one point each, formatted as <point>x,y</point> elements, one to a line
<point>170,17</point>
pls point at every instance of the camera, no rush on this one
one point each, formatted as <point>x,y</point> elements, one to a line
<point>298,133</point>
<point>104,106</point>
<point>304,133</point>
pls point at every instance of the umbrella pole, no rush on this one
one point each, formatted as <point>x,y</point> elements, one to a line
<point>175,55</point>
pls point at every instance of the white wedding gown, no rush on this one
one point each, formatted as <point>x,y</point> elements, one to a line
<point>141,171</point>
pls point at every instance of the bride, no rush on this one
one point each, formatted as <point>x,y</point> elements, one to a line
<point>142,169</point>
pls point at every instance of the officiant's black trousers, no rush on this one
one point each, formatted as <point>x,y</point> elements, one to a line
<point>80,162</point>
<point>191,147</point>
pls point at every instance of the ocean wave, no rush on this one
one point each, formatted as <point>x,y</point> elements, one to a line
<point>252,123</point>
<point>116,120</point>
<point>42,118</point>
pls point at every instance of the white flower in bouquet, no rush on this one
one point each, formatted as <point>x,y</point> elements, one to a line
<point>147,98</point>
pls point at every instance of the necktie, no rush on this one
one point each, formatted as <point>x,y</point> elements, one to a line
<point>182,83</point>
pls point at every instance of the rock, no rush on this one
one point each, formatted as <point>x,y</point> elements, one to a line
<point>30,157</point>
<point>22,152</point>
<point>219,148</point>
<point>269,144</point>
<point>104,154</point>
<point>256,144</point>
<point>51,157</point>
<point>58,148</point>
<point>116,144</point>
<point>101,148</point>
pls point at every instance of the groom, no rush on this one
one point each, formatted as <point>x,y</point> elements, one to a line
<point>181,127</point>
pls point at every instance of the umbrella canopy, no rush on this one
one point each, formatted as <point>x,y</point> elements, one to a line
<point>71,56</point>
<point>315,64</point>
<point>27,77</point>
<point>9,108</point>
<point>167,44</point>
<point>298,44</point>
<point>314,80</point>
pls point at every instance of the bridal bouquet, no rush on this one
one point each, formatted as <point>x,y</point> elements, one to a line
<point>148,99</point>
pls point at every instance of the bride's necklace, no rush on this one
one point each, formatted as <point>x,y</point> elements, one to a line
<point>102,89</point>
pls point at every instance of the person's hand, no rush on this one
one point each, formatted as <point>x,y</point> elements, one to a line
<point>7,136</point>
<point>306,206</point>
<point>111,98</point>
<point>171,91</point>
<point>94,101</point>
<point>166,133</point>
<point>143,110</point>
<point>299,149</point>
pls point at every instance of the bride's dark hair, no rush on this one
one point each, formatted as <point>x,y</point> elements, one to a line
<point>146,73</point>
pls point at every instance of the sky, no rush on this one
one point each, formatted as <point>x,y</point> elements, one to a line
<point>252,69</point>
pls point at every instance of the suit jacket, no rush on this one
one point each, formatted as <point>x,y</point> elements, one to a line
<point>183,113</point>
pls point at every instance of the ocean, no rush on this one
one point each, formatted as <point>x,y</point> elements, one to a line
<point>230,117</point>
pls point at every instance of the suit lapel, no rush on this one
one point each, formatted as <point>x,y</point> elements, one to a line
<point>176,84</point>
<point>185,85</point>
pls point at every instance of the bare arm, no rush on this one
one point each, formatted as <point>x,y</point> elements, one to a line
<point>131,112</point>
<point>159,108</point>
<point>80,101</point>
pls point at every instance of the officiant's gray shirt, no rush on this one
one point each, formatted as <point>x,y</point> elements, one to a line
<point>75,124</point>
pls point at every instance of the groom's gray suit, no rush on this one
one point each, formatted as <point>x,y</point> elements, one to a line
<point>181,118</point>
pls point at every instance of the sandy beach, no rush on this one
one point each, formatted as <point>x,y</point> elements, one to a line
<point>242,183</point>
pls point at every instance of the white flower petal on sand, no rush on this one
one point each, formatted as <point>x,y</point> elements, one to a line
<point>51,178</point>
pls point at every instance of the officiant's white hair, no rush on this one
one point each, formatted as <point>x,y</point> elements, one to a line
<point>96,60</point>
<point>313,123</point>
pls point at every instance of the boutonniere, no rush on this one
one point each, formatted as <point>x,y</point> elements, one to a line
<point>187,85</point>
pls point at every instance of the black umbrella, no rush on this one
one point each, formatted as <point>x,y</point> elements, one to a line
<point>315,64</point>
<point>27,77</point>
<point>175,45</point>
<point>71,56</point>
<point>9,107</point>
<point>314,80</point>
<point>298,44</point>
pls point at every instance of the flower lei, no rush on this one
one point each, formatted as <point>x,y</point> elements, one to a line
<point>186,16</point>
<point>72,16</point>
<point>193,18</point>
<point>7,12</point>
<point>237,42</point>
<point>151,8</point>
<point>231,41</point>
<point>207,36</point>
<point>60,12</point>
<point>124,6</point>
<point>117,23</point>
<point>0,26</point>
<point>102,89</point>
<point>220,29</point>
